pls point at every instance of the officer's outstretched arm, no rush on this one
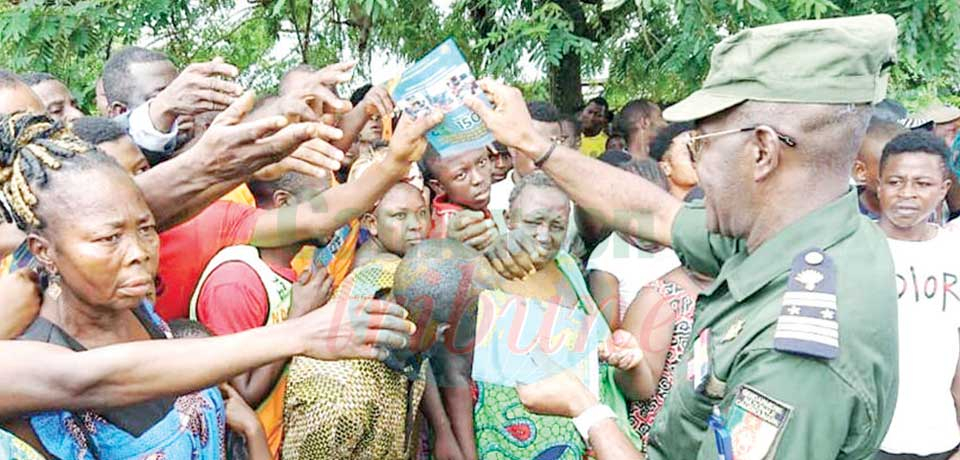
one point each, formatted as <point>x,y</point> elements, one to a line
<point>788,407</point>
<point>609,443</point>
<point>605,437</point>
<point>622,201</point>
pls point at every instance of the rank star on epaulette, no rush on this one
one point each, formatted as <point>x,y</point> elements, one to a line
<point>808,317</point>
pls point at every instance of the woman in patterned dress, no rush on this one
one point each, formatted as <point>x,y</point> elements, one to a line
<point>660,319</point>
<point>504,428</point>
<point>362,409</point>
<point>96,242</point>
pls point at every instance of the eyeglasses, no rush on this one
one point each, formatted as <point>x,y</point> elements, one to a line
<point>695,143</point>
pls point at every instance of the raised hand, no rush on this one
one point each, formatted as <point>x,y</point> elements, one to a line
<point>378,102</point>
<point>312,290</point>
<point>315,157</point>
<point>317,89</point>
<point>354,328</point>
<point>409,142</point>
<point>239,146</point>
<point>197,89</point>
<point>473,229</point>
<point>515,255</point>
<point>509,120</point>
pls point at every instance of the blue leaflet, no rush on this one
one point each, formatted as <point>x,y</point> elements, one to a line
<point>440,81</point>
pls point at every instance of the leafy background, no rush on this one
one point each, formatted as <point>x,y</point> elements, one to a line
<point>657,49</point>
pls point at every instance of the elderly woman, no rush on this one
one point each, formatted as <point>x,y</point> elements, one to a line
<point>128,373</point>
<point>540,210</point>
<point>96,241</point>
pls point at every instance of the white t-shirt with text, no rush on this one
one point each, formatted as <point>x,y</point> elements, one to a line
<point>928,290</point>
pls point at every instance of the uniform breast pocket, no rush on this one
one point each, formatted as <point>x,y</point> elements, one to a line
<point>697,406</point>
<point>699,389</point>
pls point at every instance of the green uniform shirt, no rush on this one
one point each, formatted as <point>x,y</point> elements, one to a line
<point>839,408</point>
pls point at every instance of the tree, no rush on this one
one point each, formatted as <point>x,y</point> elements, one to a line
<point>657,49</point>
<point>660,49</point>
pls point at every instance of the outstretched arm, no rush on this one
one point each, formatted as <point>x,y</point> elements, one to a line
<point>52,377</point>
<point>341,204</point>
<point>606,439</point>
<point>226,156</point>
<point>621,201</point>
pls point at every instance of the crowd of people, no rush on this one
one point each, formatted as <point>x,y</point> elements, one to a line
<point>200,272</point>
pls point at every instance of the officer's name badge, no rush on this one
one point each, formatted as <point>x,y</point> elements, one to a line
<point>755,424</point>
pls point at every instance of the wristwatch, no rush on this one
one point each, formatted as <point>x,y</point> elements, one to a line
<point>590,417</point>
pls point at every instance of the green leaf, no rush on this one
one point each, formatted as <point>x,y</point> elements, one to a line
<point>18,25</point>
<point>758,4</point>
<point>614,4</point>
<point>278,8</point>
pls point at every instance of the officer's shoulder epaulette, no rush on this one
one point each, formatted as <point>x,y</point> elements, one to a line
<point>808,323</point>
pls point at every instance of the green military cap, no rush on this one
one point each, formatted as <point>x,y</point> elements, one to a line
<point>829,61</point>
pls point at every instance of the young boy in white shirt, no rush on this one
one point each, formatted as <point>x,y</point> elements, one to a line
<point>914,181</point>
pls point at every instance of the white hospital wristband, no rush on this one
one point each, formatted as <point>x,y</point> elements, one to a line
<point>590,417</point>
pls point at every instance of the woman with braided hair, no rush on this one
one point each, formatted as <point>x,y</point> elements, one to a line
<point>95,240</point>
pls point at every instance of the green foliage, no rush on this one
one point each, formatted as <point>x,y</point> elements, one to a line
<point>670,56</point>
<point>658,49</point>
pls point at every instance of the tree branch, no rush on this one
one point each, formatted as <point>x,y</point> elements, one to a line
<point>296,27</point>
<point>482,18</point>
<point>574,10</point>
<point>307,28</point>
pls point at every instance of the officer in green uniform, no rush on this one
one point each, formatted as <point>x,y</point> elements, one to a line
<point>794,348</point>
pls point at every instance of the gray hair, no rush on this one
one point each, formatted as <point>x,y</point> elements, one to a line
<point>534,179</point>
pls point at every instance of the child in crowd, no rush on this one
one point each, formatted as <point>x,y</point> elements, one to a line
<point>460,183</point>
<point>363,408</point>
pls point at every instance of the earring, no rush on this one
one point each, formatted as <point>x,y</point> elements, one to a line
<point>53,289</point>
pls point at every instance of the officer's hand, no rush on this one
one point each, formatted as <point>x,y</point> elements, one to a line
<point>473,229</point>
<point>542,397</point>
<point>515,255</point>
<point>509,120</point>
<point>622,351</point>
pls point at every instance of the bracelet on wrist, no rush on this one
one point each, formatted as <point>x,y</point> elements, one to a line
<point>546,156</point>
<point>590,418</point>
